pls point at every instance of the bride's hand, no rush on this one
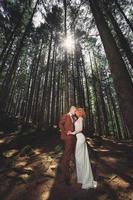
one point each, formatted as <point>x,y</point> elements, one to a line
<point>69,133</point>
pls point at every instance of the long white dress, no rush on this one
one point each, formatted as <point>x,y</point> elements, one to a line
<point>83,166</point>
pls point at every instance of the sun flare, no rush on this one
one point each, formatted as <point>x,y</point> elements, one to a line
<point>68,43</point>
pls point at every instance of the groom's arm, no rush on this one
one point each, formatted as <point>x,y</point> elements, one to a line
<point>61,123</point>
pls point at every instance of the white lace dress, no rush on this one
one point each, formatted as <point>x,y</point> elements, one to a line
<point>83,166</point>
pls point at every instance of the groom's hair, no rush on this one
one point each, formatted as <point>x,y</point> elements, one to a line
<point>72,107</point>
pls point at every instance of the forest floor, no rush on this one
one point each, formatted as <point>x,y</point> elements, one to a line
<point>29,169</point>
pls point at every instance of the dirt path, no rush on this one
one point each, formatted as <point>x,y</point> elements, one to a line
<point>31,171</point>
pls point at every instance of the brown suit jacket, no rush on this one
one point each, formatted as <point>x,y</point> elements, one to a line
<point>65,125</point>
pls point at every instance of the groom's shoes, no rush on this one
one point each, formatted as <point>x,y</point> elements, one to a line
<point>67,182</point>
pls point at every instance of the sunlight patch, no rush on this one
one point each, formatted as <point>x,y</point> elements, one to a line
<point>109,159</point>
<point>47,189</point>
<point>37,151</point>
<point>2,141</point>
<point>104,150</point>
<point>68,43</point>
<point>10,153</point>
<point>119,182</point>
<point>21,164</point>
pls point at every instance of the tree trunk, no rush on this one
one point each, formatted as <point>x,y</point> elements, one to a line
<point>5,57</point>
<point>30,102</point>
<point>43,100</point>
<point>105,118</point>
<point>115,113</point>
<point>65,60</point>
<point>98,121</point>
<point>120,74</point>
<point>123,41</point>
<point>125,17</point>
<point>6,89</point>
<point>49,95</point>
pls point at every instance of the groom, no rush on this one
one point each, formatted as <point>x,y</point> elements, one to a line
<point>66,124</point>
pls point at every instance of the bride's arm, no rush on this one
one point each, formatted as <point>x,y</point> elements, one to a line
<point>79,128</point>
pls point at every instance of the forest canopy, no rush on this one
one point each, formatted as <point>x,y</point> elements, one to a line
<point>54,54</point>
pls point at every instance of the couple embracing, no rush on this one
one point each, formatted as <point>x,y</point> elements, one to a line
<point>71,126</point>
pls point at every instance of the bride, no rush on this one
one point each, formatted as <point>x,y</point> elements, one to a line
<point>83,166</point>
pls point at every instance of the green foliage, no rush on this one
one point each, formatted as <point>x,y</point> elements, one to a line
<point>54,18</point>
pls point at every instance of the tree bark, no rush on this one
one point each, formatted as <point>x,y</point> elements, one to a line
<point>118,69</point>
<point>125,17</point>
<point>123,41</point>
<point>6,89</point>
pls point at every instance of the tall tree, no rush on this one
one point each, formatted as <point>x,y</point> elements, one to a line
<point>120,74</point>
<point>65,60</point>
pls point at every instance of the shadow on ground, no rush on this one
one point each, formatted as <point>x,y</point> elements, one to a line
<point>30,169</point>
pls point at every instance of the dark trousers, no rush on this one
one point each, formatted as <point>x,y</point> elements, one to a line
<point>69,149</point>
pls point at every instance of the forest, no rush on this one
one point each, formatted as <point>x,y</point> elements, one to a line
<point>54,55</point>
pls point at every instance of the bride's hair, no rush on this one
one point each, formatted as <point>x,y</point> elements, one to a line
<point>80,112</point>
